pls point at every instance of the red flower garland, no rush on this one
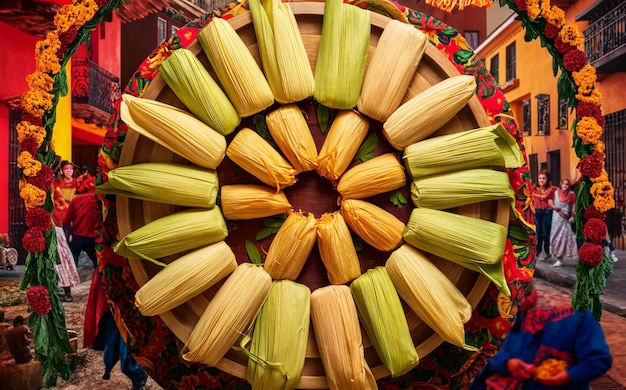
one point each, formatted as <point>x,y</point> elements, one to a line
<point>38,299</point>
<point>34,241</point>
<point>550,31</point>
<point>595,230</point>
<point>38,218</point>
<point>592,165</point>
<point>43,179</point>
<point>561,46</point>
<point>592,212</point>
<point>574,60</point>
<point>590,109</point>
<point>29,145</point>
<point>590,253</point>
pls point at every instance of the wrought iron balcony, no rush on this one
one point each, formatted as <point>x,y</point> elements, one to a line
<point>605,38</point>
<point>94,91</point>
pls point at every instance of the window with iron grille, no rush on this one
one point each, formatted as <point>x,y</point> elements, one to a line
<point>162,29</point>
<point>614,138</point>
<point>563,116</point>
<point>510,62</point>
<point>543,114</point>
<point>526,117</point>
<point>494,67</point>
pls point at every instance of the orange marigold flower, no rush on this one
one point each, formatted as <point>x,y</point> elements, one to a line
<point>36,102</point>
<point>40,80</point>
<point>588,130</point>
<point>599,147</point>
<point>592,97</point>
<point>33,196</point>
<point>604,176</point>
<point>26,129</point>
<point>30,166</point>
<point>533,11</point>
<point>570,34</point>
<point>585,77</point>
<point>65,18</point>
<point>604,204</point>
<point>553,15</point>
<point>86,10</point>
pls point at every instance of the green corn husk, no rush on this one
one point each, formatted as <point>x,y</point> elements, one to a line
<point>240,75</point>
<point>195,87</point>
<point>175,130</point>
<point>339,340</point>
<point>454,189</point>
<point>285,61</point>
<point>174,233</point>
<point>184,278</point>
<point>473,243</point>
<point>229,315</point>
<point>280,336</point>
<point>391,69</point>
<point>430,294</point>
<point>490,146</point>
<point>195,187</point>
<point>382,316</point>
<point>342,55</point>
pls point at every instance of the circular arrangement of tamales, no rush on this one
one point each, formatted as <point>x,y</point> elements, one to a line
<point>311,193</point>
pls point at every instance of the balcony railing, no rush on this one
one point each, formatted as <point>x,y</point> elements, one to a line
<point>606,36</point>
<point>94,86</point>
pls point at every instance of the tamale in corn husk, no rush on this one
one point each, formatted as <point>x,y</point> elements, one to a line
<point>490,146</point>
<point>252,153</point>
<point>175,130</point>
<point>338,335</point>
<point>381,174</point>
<point>382,316</point>
<point>175,233</point>
<point>281,333</point>
<point>291,133</point>
<point>337,249</point>
<point>285,61</point>
<point>291,247</point>
<point>430,294</point>
<point>194,86</point>
<point>238,73</point>
<point>230,314</point>
<point>342,55</point>
<point>184,278</point>
<point>428,111</point>
<point>195,187</point>
<point>391,69</point>
<point>250,201</point>
<point>377,227</point>
<point>346,133</point>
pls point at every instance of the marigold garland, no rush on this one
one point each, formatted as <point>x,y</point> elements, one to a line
<point>595,230</point>
<point>38,298</point>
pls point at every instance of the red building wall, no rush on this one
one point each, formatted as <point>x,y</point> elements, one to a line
<point>18,60</point>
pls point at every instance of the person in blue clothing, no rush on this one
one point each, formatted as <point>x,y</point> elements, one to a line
<point>541,333</point>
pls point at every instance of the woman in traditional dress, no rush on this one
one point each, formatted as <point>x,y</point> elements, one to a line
<point>562,237</point>
<point>543,192</point>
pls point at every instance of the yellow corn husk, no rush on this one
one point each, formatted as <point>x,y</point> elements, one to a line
<point>175,130</point>
<point>174,233</point>
<point>478,148</point>
<point>252,153</point>
<point>391,69</point>
<point>291,247</point>
<point>194,86</point>
<point>338,335</point>
<point>342,55</point>
<point>280,336</point>
<point>430,294</point>
<point>381,174</point>
<point>382,316</point>
<point>428,111</point>
<point>377,227</point>
<point>337,249</point>
<point>346,133</point>
<point>293,136</point>
<point>250,201</point>
<point>285,61</point>
<point>195,187</point>
<point>454,189</point>
<point>240,75</point>
<point>229,315</point>
<point>184,278</point>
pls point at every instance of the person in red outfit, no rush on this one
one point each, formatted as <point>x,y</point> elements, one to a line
<point>81,222</point>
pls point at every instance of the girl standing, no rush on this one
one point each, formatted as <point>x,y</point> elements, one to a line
<point>543,192</point>
<point>562,237</point>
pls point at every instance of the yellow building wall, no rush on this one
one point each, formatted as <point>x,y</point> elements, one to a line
<point>62,131</point>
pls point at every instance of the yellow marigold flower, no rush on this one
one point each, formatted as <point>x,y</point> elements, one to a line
<point>26,129</point>
<point>604,176</point>
<point>602,189</point>
<point>36,102</point>
<point>40,80</point>
<point>33,196</point>
<point>45,54</point>
<point>30,166</point>
<point>553,15</point>
<point>533,11</point>
<point>65,18</point>
<point>599,147</point>
<point>585,77</point>
<point>86,10</point>
<point>588,130</point>
<point>593,97</point>
<point>604,204</point>
<point>569,33</point>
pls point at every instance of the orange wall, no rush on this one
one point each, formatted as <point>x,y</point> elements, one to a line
<point>17,62</point>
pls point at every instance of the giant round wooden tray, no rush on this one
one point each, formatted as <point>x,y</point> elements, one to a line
<point>311,193</point>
